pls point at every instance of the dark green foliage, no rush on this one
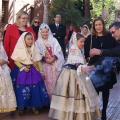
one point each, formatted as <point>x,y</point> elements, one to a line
<point>70,14</point>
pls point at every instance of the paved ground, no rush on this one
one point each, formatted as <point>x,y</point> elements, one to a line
<point>113,111</point>
<point>28,116</point>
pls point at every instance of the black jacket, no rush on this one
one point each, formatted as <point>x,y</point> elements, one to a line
<point>60,33</point>
<point>99,42</point>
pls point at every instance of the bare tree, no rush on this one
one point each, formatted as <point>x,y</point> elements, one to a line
<point>103,1</point>
<point>46,10</point>
<point>87,8</point>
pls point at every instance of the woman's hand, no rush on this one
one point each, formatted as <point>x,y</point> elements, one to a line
<point>50,60</point>
<point>2,62</point>
<point>91,67</point>
<point>87,69</point>
<point>26,69</point>
<point>95,51</point>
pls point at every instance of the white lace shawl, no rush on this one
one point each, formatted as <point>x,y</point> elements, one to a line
<point>75,54</point>
<point>56,49</point>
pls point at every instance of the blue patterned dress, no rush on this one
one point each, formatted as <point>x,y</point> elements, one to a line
<point>29,88</point>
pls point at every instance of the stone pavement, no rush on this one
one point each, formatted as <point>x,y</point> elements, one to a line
<point>113,111</point>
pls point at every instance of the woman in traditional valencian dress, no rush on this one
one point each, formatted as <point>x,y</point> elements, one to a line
<point>74,96</point>
<point>52,59</point>
<point>7,96</point>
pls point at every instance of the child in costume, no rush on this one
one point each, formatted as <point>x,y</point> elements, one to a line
<point>74,96</point>
<point>30,88</point>
<point>52,56</point>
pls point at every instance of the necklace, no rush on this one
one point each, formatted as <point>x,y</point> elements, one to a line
<point>100,40</point>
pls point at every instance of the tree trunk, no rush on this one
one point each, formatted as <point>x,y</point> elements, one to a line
<point>87,9</point>
<point>46,10</point>
<point>103,5</point>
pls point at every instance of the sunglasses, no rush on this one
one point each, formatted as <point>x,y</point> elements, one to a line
<point>36,22</point>
<point>112,32</point>
<point>24,18</point>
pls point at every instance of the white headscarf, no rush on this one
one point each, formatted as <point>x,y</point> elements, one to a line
<point>77,56</point>
<point>56,49</point>
<point>88,33</point>
<point>21,54</point>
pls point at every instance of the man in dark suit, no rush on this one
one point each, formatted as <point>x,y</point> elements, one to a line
<point>59,31</point>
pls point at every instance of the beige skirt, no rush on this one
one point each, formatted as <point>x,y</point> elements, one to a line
<point>68,102</point>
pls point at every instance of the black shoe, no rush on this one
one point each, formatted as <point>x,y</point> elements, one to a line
<point>21,111</point>
<point>46,106</point>
<point>35,111</point>
<point>13,113</point>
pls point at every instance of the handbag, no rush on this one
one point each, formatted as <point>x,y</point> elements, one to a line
<point>103,74</point>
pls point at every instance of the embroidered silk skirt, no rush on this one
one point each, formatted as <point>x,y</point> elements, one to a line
<point>51,75</point>
<point>68,102</point>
